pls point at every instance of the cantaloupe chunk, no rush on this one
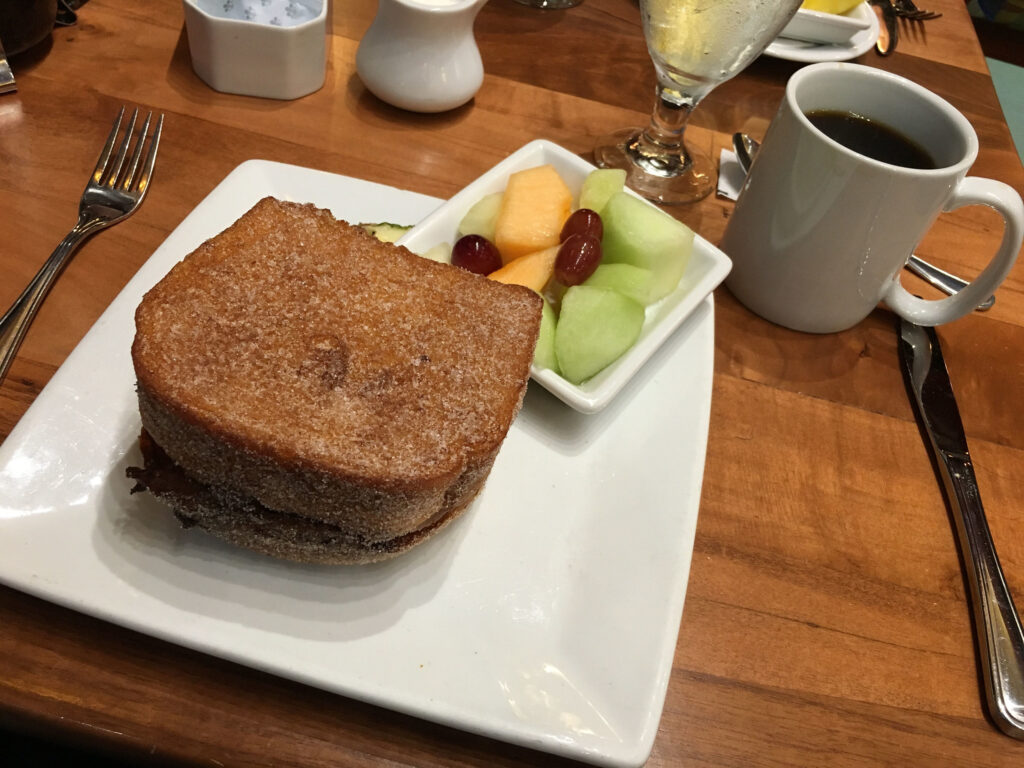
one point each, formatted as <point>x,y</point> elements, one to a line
<point>534,207</point>
<point>532,270</point>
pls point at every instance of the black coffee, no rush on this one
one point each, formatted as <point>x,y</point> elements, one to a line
<point>870,138</point>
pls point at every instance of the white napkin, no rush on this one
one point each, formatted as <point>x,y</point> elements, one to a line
<point>730,175</point>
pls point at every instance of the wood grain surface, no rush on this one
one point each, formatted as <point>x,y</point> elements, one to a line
<point>825,621</point>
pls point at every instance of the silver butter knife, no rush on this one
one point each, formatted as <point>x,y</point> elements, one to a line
<point>996,624</point>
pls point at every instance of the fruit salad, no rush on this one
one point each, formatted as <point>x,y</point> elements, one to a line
<point>598,264</point>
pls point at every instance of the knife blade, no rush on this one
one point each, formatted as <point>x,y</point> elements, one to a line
<point>7,84</point>
<point>997,627</point>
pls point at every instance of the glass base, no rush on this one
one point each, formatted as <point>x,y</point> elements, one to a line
<point>550,5</point>
<point>663,178</point>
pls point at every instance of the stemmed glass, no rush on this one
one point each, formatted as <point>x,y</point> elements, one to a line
<point>695,45</point>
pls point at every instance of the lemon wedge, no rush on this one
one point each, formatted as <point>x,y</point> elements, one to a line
<point>830,6</point>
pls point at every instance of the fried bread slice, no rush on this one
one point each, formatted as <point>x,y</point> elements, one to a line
<point>296,362</point>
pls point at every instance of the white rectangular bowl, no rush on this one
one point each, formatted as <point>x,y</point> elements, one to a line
<point>708,267</point>
<point>828,28</point>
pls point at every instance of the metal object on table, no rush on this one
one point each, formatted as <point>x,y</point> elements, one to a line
<point>114,192</point>
<point>550,5</point>
<point>66,16</point>
<point>907,9</point>
<point>996,623</point>
<point>888,30</point>
<point>7,84</point>
<point>943,280</point>
<point>745,148</point>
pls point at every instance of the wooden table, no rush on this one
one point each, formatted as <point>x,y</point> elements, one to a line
<point>825,620</point>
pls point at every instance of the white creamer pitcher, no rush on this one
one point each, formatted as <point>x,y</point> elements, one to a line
<point>420,55</point>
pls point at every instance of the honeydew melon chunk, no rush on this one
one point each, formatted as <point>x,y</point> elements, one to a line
<point>595,327</point>
<point>442,252</point>
<point>385,231</point>
<point>481,217</point>
<point>599,186</point>
<point>634,282</point>
<point>639,234</point>
<point>544,353</point>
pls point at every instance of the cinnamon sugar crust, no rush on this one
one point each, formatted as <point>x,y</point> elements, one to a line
<point>297,360</point>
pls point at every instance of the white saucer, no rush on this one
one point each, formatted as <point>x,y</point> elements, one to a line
<point>810,53</point>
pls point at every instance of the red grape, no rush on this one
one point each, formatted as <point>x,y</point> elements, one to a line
<point>476,254</point>
<point>577,259</point>
<point>582,222</point>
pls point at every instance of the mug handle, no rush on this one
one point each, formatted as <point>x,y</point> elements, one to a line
<point>970,191</point>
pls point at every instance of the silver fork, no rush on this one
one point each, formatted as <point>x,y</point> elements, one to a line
<point>907,9</point>
<point>113,193</point>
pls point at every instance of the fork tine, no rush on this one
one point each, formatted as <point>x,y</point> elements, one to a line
<point>101,164</point>
<point>911,12</point>
<point>147,167</point>
<point>122,150</point>
<point>908,9</point>
<point>133,164</point>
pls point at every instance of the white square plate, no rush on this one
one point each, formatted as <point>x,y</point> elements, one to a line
<point>707,268</point>
<point>546,616</point>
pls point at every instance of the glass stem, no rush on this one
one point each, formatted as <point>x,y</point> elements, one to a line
<point>659,148</point>
<point>657,164</point>
<point>668,121</point>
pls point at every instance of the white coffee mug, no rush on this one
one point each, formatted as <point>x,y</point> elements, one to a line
<point>820,233</point>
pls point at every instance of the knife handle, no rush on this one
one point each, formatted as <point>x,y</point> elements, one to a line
<point>888,32</point>
<point>996,624</point>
